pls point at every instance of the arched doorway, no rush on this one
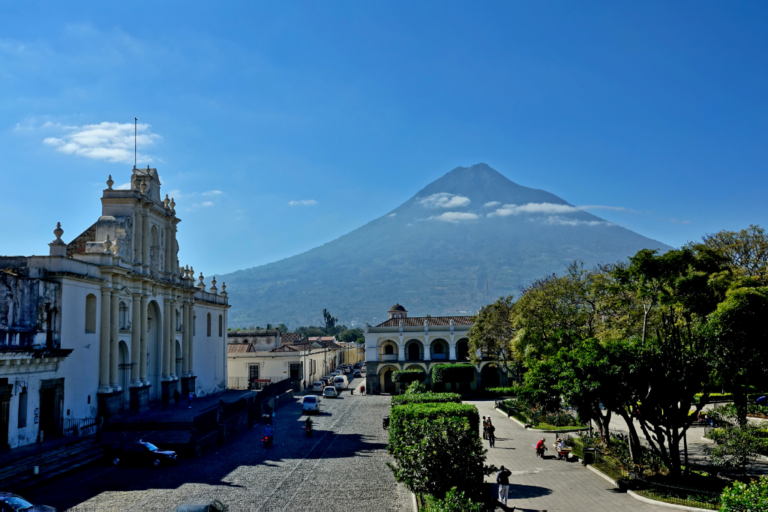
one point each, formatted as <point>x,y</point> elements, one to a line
<point>124,373</point>
<point>413,351</point>
<point>154,349</point>
<point>387,384</point>
<point>440,350</point>
<point>462,350</point>
<point>490,376</point>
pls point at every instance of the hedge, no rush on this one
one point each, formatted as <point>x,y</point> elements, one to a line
<point>449,373</point>
<point>401,415</point>
<point>726,397</point>
<point>426,398</point>
<point>409,376</point>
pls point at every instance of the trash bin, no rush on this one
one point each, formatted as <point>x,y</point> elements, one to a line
<point>589,455</point>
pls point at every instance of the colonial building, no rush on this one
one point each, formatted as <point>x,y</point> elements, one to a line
<point>108,322</point>
<point>403,342</point>
<point>296,358</point>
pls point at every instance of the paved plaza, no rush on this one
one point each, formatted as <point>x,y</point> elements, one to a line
<point>341,467</point>
<point>549,484</point>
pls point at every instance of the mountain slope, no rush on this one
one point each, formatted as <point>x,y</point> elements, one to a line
<point>432,254</point>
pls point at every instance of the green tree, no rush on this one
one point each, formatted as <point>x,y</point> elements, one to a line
<point>737,447</point>
<point>491,334</point>
<point>355,335</point>
<point>330,322</point>
<point>745,250</point>
<point>741,497</point>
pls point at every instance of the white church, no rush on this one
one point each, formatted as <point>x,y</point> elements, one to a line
<point>107,322</point>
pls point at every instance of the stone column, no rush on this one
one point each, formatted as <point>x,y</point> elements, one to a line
<point>452,352</point>
<point>114,381</point>
<point>191,339</point>
<point>401,351</point>
<point>136,340</point>
<point>166,339</point>
<point>427,349</point>
<point>143,348</point>
<point>137,236</point>
<point>185,335</point>
<point>104,348</point>
<point>145,238</point>
<point>172,349</point>
<point>168,248</point>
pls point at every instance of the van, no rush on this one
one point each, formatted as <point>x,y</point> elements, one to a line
<point>340,382</point>
<point>309,404</point>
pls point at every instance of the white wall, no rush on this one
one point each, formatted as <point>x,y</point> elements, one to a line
<point>209,359</point>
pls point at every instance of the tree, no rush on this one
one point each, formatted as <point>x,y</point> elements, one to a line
<point>746,250</point>
<point>492,332</point>
<point>355,335</point>
<point>330,322</point>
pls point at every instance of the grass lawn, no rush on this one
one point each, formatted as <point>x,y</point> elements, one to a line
<point>677,501</point>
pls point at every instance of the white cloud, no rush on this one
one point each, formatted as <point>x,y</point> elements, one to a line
<point>124,186</point>
<point>455,217</point>
<point>304,202</point>
<point>213,193</point>
<point>491,204</point>
<point>680,221</point>
<point>513,209</point>
<point>555,219</point>
<point>444,200</point>
<point>112,142</point>
<point>391,215</point>
<point>204,204</point>
<point>603,207</point>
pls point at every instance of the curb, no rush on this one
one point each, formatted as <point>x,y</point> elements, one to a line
<point>602,475</point>
<point>663,503</point>
<point>414,502</point>
<point>537,430</point>
<point>709,441</point>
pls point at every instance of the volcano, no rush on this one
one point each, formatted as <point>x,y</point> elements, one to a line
<point>470,235</point>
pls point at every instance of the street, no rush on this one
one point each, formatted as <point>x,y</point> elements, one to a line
<point>341,466</point>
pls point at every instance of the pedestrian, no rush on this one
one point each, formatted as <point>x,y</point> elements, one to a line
<point>305,385</point>
<point>176,396</point>
<point>502,478</point>
<point>362,390</point>
<point>191,396</point>
<point>541,447</point>
<point>351,391</point>
<point>492,436</point>
<point>485,428</point>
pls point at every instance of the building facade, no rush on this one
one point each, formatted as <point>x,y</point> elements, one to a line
<point>403,342</point>
<point>109,322</point>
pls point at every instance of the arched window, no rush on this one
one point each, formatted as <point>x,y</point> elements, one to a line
<point>123,316</point>
<point>90,313</point>
<point>221,326</point>
<point>389,350</point>
<point>209,325</point>
<point>439,348</point>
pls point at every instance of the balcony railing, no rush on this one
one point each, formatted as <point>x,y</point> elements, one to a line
<point>439,357</point>
<point>389,357</point>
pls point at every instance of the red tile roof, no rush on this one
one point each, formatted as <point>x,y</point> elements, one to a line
<point>418,321</point>
<point>239,348</point>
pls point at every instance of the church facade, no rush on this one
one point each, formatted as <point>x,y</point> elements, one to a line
<point>108,322</point>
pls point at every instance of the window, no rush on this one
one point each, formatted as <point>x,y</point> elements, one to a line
<point>439,348</point>
<point>389,350</point>
<point>221,326</point>
<point>209,325</point>
<point>23,408</point>
<point>253,372</point>
<point>295,371</point>
<point>90,313</point>
<point>123,316</point>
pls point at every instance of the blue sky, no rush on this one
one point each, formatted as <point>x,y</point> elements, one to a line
<point>280,126</point>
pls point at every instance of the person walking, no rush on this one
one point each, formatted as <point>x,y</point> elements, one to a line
<point>491,436</point>
<point>485,428</point>
<point>362,390</point>
<point>191,396</point>
<point>502,478</point>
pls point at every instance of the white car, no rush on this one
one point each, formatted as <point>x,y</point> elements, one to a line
<point>310,404</point>
<point>330,392</point>
<point>341,382</point>
<point>318,386</point>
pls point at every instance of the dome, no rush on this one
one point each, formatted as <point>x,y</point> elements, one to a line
<point>397,307</point>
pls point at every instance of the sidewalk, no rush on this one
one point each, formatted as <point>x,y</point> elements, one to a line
<point>549,484</point>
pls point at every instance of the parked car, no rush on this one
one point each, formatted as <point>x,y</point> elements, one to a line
<point>318,386</point>
<point>309,404</point>
<point>14,503</point>
<point>330,392</point>
<point>139,452</point>
<point>357,374</point>
<point>341,382</point>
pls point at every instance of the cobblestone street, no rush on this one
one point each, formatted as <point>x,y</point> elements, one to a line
<point>341,466</point>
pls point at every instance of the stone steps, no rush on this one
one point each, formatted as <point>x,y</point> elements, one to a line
<point>52,463</point>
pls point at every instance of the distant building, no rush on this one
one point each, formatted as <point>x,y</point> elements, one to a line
<point>108,322</point>
<point>403,342</point>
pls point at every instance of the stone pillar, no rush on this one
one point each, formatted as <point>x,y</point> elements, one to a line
<point>172,349</point>
<point>185,335</point>
<point>137,236</point>
<point>452,352</point>
<point>191,339</point>
<point>427,349</point>
<point>401,352</point>
<point>104,348</point>
<point>168,249</point>
<point>114,381</point>
<point>166,339</point>
<point>143,348</point>
<point>145,238</point>
<point>136,340</point>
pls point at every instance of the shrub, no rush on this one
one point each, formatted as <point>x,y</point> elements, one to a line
<point>401,416</point>
<point>737,447</point>
<point>408,376</point>
<point>503,391</point>
<point>425,398</point>
<point>449,373</point>
<point>454,501</point>
<point>416,388</point>
<point>435,454</point>
<point>742,497</point>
